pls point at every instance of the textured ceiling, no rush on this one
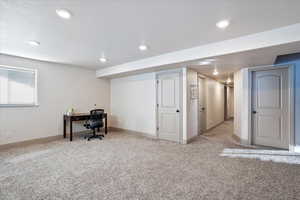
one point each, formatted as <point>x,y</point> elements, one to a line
<point>115,28</point>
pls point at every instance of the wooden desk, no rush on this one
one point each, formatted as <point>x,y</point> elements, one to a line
<point>79,117</point>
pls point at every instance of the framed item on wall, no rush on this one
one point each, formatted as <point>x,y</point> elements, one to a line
<point>193,91</point>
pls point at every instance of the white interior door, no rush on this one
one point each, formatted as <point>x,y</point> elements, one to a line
<point>270,103</point>
<point>168,92</point>
<point>201,106</point>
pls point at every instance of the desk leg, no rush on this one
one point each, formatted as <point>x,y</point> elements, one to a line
<point>65,124</point>
<point>71,131</point>
<point>105,125</point>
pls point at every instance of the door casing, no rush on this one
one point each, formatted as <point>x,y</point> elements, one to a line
<point>291,79</point>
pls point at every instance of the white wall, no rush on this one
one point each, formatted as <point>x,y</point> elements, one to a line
<point>133,103</point>
<point>184,104</point>
<point>241,101</point>
<point>237,102</point>
<point>59,87</point>
<point>214,103</point>
<point>192,105</point>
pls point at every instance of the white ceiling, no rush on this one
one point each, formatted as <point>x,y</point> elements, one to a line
<point>115,28</point>
<point>228,64</point>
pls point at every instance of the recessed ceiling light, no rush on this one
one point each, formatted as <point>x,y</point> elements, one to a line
<point>103,59</point>
<point>33,43</point>
<point>205,62</point>
<point>215,72</point>
<point>63,13</point>
<point>223,24</point>
<point>143,47</point>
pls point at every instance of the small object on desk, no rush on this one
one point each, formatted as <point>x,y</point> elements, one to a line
<point>70,111</point>
<point>79,117</point>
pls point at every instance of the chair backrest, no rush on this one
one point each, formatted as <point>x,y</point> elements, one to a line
<point>97,114</point>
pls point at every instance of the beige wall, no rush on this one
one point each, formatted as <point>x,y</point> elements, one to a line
<point>59,87</point>
<point>214,103</point>
<point>230,102</point>
<point>241,102</point>
<point>192,105</point>
<point>237,102</point>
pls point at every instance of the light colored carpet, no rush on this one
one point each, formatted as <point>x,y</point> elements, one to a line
<point>125,166</point>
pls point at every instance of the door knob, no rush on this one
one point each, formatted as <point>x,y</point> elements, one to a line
<point>177,111</point>
<point>254,112</point>
<point>203,108</point>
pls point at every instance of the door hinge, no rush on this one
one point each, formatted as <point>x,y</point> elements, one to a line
<point>157,128</point>
<point>157,105</point>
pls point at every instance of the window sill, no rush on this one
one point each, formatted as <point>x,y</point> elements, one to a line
<point>18,105</point>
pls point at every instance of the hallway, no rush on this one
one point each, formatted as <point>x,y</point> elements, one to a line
<point>222,134</point>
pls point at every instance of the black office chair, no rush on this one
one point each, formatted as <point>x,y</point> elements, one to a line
<point>95,122</point>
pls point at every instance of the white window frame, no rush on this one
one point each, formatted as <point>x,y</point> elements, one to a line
<point>35,71</point>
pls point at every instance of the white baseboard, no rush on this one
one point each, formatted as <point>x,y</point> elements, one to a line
<point>214,126</point>
<point>30,142</point>
<point>148,135</point>
<point>190,140</point>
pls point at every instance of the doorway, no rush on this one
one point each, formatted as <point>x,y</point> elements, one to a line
<point>229,102</point>
<point>201,105</point>
<point>271,102</point>
<point>168,106</point>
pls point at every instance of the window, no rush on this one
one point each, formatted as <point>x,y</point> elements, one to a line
<point>18,86</point>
